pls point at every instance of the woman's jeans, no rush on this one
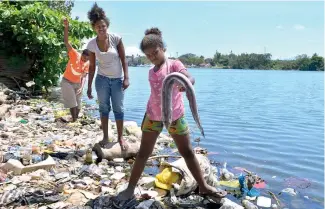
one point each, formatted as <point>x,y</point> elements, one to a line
<point>110,89</point>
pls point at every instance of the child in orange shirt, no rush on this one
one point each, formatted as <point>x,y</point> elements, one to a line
<point>74,76</point>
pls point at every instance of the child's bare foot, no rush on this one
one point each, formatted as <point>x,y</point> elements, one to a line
<point>123,144</point>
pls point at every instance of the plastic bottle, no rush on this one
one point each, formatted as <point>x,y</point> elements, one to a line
<point>248,205</point>
<point>89,156</point>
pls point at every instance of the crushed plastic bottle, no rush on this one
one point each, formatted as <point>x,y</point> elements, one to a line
<point>248,205</point>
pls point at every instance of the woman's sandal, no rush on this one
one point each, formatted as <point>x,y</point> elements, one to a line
<point>124,204</point>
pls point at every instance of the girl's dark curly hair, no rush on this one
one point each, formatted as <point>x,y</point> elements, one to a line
<point>96,14</point>
<point>152,38</point>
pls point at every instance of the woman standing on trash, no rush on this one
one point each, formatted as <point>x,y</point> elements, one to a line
<point>74,75</point>
<point>153,47</point>
<point>108,49</point>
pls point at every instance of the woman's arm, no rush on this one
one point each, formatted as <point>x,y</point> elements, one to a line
<point>92,68</point>
<point>121,52</point>
<point>189,76</point>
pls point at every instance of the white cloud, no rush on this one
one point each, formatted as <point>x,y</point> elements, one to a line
<point>279,27</point>
<point>299,27</point>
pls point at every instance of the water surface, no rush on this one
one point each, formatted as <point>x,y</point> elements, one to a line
<point>269,122</point>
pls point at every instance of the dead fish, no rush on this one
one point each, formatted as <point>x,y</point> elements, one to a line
<point>166,95</point>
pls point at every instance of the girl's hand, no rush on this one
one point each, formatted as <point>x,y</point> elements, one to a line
<point>126,83</point>
<point>181,88</point>
<point>89,93</point>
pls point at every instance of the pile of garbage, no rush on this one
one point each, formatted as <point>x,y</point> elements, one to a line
<point>46,162</point>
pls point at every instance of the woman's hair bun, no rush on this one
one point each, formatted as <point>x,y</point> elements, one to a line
<point>154,31</point>
<point>97,13</point>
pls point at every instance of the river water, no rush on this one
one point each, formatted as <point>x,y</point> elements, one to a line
<point>269,122</point>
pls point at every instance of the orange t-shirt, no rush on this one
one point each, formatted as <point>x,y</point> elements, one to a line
<point>76,68</point>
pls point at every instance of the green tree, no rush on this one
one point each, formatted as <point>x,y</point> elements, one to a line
<point>62,6</point>
<point>316,63</point>
<point>32,37</point>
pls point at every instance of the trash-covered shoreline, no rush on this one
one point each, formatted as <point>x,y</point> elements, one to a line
<point>49,163</point>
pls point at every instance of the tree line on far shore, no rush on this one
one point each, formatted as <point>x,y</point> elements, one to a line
<point>243,61</point>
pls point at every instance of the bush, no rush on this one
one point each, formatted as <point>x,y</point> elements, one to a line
<point>33,33</point>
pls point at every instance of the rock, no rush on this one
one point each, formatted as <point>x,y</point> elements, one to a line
<point>228,204</point>
<point>134,130</point>
<point>117,176</point>
<point>130,124</point>
<point>248,205</point>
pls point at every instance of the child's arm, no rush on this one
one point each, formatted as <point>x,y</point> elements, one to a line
<point>66,34</point>
<point>83,80</point>
<point>189,76</point>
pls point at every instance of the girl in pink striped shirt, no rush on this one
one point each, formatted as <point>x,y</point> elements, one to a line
<point>153,47</point>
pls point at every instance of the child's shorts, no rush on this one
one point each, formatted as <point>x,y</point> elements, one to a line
<point>179,126</point>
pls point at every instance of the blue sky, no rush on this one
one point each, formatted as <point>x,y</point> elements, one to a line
<point>284,29</point>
